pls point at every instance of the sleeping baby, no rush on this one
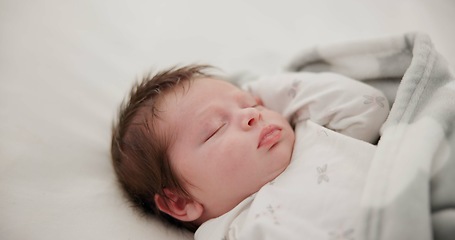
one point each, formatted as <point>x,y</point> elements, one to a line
<point>281,157</point>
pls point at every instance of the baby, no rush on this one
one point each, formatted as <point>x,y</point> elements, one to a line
<point>284,157</point>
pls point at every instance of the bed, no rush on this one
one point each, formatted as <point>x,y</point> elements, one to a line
<point>66,65</point>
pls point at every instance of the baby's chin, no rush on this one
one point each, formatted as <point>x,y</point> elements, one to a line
<point>280,166</point>
<point>277,173</point>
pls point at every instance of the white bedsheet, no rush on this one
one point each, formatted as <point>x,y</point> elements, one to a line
<point>66,65</point>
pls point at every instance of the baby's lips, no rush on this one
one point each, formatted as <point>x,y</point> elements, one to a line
<point>270,135</point>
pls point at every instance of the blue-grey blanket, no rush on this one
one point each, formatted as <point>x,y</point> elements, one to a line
<point>410,189</point>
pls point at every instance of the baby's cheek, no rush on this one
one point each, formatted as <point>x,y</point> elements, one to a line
<point>233,162</point>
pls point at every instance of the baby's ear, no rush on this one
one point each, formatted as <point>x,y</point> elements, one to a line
<point>181,208</point>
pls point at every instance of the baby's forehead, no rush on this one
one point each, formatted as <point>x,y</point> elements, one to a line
<point>192,95</point>
<point>225,85</point>
<point>217,87</point>
<point>201,92</point>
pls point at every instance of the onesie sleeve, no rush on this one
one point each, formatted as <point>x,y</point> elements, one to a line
<point>337,102</point>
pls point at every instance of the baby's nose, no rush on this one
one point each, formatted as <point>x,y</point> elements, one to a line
<point>250,117</point>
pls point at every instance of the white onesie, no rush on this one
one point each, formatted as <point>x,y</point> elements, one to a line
<point>318,195</point>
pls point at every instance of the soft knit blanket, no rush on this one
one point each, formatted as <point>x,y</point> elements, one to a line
<point>410,189</point>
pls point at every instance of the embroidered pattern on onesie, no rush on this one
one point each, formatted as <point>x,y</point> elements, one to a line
<point>294,88</point>
<point>378,100</point>
<point>270,212</point>
<point>322,174</point>
<point>323,133</point>
<point>342,234</point>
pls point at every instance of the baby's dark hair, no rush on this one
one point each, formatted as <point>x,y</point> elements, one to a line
<point>139,155</point>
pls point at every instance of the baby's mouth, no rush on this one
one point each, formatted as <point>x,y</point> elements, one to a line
<point>269,136</point>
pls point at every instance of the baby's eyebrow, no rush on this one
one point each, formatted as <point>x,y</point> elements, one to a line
<point>206,118</point>
<point>201,127</point>
<point>204,115</point>
<point>204,112</point>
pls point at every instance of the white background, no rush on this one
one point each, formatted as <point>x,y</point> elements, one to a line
<point>66,65</point>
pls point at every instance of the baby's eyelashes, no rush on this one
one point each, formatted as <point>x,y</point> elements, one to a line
<point>212,133</point>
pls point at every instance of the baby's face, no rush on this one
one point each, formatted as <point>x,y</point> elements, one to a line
<point>225,146</point>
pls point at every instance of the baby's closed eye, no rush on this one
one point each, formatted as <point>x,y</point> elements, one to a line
<point>214,131</point>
